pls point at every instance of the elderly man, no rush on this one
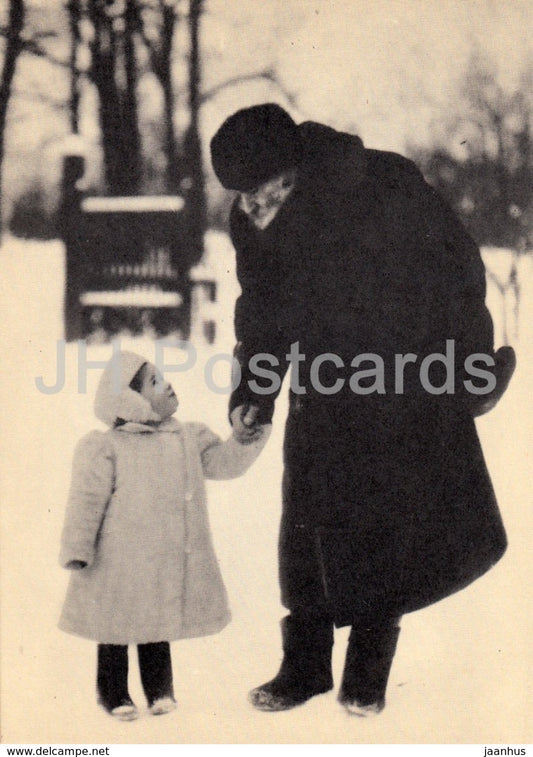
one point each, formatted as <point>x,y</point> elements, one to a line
<point>354,272</point>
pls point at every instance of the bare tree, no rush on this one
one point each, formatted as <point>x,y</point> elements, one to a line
<point>490,184</point>
<point>75,14</point>
<point>131,138</point>
<point>196,205</point>
<point>158,35</point>
<point>14,44</point>
<point>490,180</point>
<point>113,71</point>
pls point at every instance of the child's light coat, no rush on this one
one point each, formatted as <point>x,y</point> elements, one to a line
<point>137,515</point>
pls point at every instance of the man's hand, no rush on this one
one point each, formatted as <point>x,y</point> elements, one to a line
<point>245,426</point>
<point>505,364</point>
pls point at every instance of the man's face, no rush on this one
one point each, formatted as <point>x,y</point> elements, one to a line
<point>262,203</point>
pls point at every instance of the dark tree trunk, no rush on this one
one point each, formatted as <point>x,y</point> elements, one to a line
<point>113,73</point>
<point>74,11</point>
<point>174,169</point>
<point>161,57</point>
<point>102,73</point>
<point>196,210</point>
<point>131,138</point>
<point>13,48</point>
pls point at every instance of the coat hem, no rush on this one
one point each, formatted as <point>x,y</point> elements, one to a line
<point>188,632</point>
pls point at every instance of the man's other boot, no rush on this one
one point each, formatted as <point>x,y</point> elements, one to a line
<point>306,667</point>
<point>367,667</point>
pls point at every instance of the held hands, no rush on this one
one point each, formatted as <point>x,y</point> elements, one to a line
<point>76,565</point>
<point>246,429</point>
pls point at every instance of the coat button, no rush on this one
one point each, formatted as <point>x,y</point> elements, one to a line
<point>188,496</point>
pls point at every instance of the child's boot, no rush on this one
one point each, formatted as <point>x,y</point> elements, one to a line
<point>306,667</point>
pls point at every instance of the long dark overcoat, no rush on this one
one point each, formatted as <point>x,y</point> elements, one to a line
<point>387,503</point>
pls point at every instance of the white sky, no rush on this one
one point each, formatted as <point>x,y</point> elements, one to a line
<point>385,68</point>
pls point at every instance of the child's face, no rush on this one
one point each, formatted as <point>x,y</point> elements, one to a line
<point>158,392</point>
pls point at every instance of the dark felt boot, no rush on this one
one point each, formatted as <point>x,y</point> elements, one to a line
<point>306,667</point>
<point>367,667</point>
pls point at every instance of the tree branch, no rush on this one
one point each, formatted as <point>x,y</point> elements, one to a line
<point>32,47</point>
<point>158,54</point>
<point>268,74</point>
<point>41,98</point>
<point>44,35</point>
<point>147,42</point>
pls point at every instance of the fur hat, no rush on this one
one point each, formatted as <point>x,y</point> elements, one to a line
<point>114,397</point>
<point>253,145</point>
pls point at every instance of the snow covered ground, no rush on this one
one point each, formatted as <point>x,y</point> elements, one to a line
<point>462,673</point>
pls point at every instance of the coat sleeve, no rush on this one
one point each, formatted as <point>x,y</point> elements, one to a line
<point>256,326</point>
<point>464,286</point>
<point>90,490</point>
<point>458,281</point>
<point>458,294</point>
<point>226,459</point>
<point>448,264</point>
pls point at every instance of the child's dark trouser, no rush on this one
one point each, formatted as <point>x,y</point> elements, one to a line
<point>156,670</point>
<point>112,673</point>
<point>112,676</point>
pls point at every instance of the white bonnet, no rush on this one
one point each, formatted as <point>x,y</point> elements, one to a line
<point>114,396</point>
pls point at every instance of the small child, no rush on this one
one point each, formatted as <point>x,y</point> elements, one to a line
<point>136,533</point>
